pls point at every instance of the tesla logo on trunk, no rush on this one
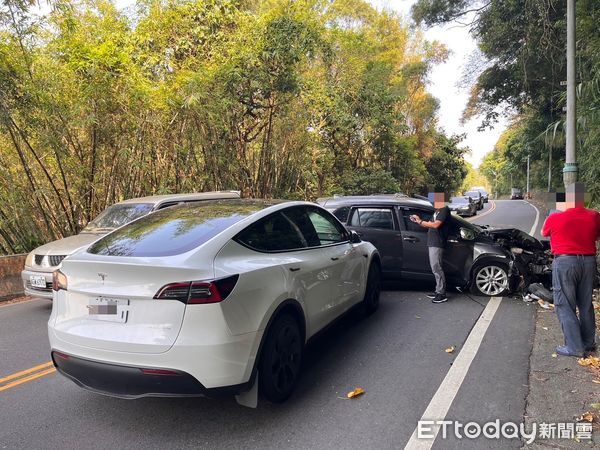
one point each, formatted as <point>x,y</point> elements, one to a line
<point>103,276</point>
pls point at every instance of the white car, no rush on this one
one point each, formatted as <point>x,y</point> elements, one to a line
<point>207,298</point>
<point>41,262</point>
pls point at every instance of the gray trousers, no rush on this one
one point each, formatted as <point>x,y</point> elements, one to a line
<point>436,255</point>
<point>573,282</point>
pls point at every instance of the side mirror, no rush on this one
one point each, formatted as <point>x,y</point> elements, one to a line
<point>354,237</point>
<point>466,234</point>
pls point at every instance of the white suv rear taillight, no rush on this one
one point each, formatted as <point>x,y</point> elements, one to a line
<point>198,292</point>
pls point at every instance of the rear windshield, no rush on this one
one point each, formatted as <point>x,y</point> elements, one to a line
<point>472,194</point>
<point>175,230</point>
<point>459,200</point>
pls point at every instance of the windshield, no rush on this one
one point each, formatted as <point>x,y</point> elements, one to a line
<point>117,215</point>
<point>175,230</point>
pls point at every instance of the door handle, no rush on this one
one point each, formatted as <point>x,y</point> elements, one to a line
<point>334,258</point>
<point>410,239</point>
<point>294,269</point>
<point>453,240</point>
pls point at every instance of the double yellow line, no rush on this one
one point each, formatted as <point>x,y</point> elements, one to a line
<point>485,213</point>
<point>26,375</point>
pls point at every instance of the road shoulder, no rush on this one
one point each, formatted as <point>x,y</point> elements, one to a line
<point>560,390</point>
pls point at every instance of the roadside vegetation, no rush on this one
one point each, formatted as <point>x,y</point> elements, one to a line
<point>275,98</point>
<point>519,71</point>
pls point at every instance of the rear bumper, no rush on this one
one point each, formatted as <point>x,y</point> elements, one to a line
<point>216,362</point>
<point>133,382</point>
<point>35,291</point>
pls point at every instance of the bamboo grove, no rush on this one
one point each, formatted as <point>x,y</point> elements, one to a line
<point>289,99</point>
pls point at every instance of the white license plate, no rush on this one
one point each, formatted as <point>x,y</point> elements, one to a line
<point>38,281</point>
<point>109,309</point>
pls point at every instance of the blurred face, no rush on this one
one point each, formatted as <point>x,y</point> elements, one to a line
<point>439,200</point>
<point>575,196</point>
<point>557,201</point>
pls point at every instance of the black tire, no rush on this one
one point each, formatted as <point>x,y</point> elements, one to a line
<point>281,359</point>
<point>370,301</point>
<point>497,276</point>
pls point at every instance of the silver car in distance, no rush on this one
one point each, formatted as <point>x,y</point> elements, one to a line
<point>215,297</point>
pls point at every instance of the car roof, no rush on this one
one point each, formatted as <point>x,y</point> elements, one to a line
<point>157,199</point>
<point>370,200</point>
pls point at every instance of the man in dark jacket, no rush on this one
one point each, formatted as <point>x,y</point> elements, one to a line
<point>573,235</point>
<point>437,235</point>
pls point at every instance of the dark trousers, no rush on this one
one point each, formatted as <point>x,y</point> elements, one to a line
<point>573,282</point>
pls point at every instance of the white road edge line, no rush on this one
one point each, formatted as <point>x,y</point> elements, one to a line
<point>537,218</point>
<point>442,400</point>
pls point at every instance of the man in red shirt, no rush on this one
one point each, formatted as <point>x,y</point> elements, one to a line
<point>573,235</point>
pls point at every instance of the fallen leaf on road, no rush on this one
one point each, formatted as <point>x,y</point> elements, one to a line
<point>587,416</point>
<point>450,349</point>
<point>595,405</point>
<point>356,392</point>
<point>417,317</point>
<point>592,361</point>
<point>545,328</point>
<point>596,381</point>
<point>554,355</point>
<point>545,304</point>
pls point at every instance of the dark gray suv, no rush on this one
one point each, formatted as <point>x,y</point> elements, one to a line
<point>473,258</point>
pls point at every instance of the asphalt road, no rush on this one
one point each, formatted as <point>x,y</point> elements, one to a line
<point>397,355</point>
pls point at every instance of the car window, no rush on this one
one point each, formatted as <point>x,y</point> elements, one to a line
<point>409,225</point>
<point>342,214</point>
<point>299,217</point>
<point>327,227</point>
<point>372,218</point>
<point>274,233</point>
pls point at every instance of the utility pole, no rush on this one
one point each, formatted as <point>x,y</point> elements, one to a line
<point>527,190</point>
<point>570,170</point>
<point>549,168</point>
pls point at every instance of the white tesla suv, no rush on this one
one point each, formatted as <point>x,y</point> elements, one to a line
<point>217,297</point>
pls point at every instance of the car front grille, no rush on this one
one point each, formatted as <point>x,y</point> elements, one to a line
<point>38,259</point>
<point>55,260</point>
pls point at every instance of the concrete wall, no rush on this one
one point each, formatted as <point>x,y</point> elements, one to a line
<point>10,276</point>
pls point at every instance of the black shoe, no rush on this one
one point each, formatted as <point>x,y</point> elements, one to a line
<point>440,298</point>
<point>432,295</point>
<point>591,349</point>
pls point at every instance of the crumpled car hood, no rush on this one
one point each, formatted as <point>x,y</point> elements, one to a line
<point>517,238</point>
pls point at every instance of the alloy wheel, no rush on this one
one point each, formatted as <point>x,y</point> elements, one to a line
<point>491,280</point>
<point>285,360</point>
